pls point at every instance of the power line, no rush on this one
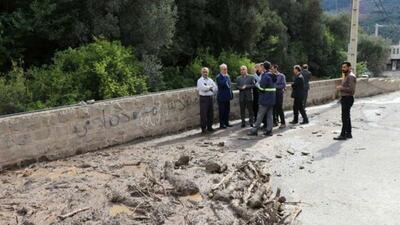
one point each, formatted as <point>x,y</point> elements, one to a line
<point>379,5</point>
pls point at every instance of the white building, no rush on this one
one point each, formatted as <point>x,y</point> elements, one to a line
<point>394,61</point>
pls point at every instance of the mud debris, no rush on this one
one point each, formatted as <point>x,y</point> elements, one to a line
<point>182,161</point>
<point>213,167</point>
<point>144,186</point>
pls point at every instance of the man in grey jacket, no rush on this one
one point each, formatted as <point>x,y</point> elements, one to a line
<point>245,85</point>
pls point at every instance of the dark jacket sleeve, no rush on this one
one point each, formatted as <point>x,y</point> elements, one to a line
<point>264,82</point>
<point>295,84</point>
<point>238,83</point>
<point>298,87</point>
<point>281,82</point>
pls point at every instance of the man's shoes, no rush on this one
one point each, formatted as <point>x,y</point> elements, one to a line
<point>282,126</point>
<point>340,138</point>
<point>268,133</point>
<point>304,122</point>
<point>275,124</point>
<point>203,132</point>
<point>211,130</point>
<point>243,125</point>
<point>294,122</point>
<point>228,125</point>
<point>252,133</point>
<point>349,136</point>
<point>222,127</point>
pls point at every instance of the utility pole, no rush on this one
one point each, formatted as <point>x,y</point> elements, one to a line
<point>352,52</point>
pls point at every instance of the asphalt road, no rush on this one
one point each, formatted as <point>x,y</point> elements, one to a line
<point>354,182</point>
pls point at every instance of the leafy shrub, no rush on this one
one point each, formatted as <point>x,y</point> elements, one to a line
<point>232,60</point>
<point>100,70</point>
<point>14,95</point>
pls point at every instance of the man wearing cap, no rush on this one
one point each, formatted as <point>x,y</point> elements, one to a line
<point>266,101</point>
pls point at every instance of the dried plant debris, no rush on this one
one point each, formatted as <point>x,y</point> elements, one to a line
<point>169,185</point>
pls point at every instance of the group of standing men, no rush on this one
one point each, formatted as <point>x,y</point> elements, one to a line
<point>260,94</point>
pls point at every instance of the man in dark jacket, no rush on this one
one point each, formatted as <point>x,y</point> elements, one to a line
<point>224,96</point>
<point>266,100</point>
<point>257,77</point>
<point>307,77</point>
<point>245,85</point>
<point>280,89</point>
<point>298,95</point>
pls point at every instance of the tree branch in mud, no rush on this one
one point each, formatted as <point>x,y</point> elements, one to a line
<point>182,187</point>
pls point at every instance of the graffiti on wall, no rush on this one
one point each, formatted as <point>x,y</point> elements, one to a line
<point>147,117</point>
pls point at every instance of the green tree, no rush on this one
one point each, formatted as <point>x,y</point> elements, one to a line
<point>374,51</point>
<point>14,94</point>
<point>100,70</point>
<point>335,38</point>
<point>149,25</point>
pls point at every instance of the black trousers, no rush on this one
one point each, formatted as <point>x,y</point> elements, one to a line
<point>206,112</point>
<point>278,108</point>
<point>255,103</point>
<point>346,102</point>
<point>249,106</point>
<point>298,106</point>
<point>224,110</point>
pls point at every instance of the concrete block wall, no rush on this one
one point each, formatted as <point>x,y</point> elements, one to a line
<point>64,132</point>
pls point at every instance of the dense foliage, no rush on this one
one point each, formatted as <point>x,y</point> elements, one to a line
<point>99,70</point>
<point>57,52</point>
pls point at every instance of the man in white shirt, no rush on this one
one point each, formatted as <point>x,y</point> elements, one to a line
<point>207,89</point>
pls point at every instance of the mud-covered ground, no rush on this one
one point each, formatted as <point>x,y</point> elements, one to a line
<point>146,183</point>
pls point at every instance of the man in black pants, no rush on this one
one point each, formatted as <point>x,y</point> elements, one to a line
<point>298,95</point>
<point>224,96</point>
<point>347,90</point>
<point>207,89</point>
<point>280,85</point>
<point>307,76</point>
<point>257,77</point>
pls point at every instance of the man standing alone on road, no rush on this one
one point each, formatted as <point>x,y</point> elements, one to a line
<point>280,89</point>
<point>207,89</point>
<point>307,77</point>
<point>266,100</point>
<point>347,90</point>
<point>298,95</point>
<point>224,96</point>
<point>245,85</point>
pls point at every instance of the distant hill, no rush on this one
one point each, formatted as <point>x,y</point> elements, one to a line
<point>371,13</point>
